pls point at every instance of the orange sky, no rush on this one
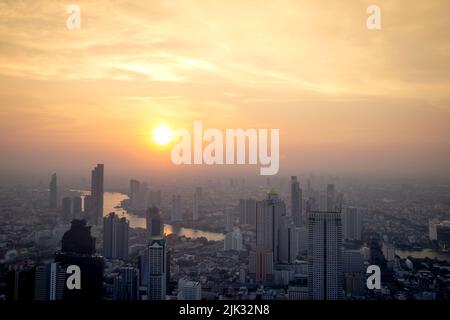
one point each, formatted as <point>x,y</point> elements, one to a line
<point>344,97</point>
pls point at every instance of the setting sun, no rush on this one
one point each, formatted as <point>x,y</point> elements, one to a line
<point>162,135</point>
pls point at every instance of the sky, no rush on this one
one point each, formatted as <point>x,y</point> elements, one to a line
<point>345,98</point>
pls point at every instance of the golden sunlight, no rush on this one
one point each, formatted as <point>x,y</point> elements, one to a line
<point>162,135</point>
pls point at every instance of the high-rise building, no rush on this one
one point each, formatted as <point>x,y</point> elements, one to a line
<point>115,237</point>
<point>49,282</point>
<point>97,177</point>
<point>247,212</point>
<point>351,224</point>
<point>134,192</point>
<point>78,248</point>
<point>325,255</point>
<point>176,209</point>
<point>20,284</point>
<point>155,226</point>
<point>189,290</point>
<point>196,203</point>
<point>268,215</point>
<point>77,207</point>
<point>156,289</point>
<point>67,208</point>
<point>233,240</point>
<point>287,241</point>
<point>53,199</point>
<point>229,219</point>
<point>125,286</point>
<point>296,201</point>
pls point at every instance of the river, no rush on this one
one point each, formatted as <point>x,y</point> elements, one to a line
<point>113,199</point>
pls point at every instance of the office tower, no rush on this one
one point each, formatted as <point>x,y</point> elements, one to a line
<point>157,268</point>
<point>20,284</point>
<point>77,207</point>
<point>168,257</point>
<point>49,282</point>
<point>331,197</point>
<point>97,176</point>
<point>155,226</point>
<point>53,199</point>
<point>229,219</point>
<point>247,212</point>
<point>115,237</point>
<point>67,208</point>
<point>78,248</point>
<point>125,285</point>
<point>261,265</point>
<point>268,215</point>
<point>302,237</point>
<point>134,192</point>
<point>176,209</point>
<point>287,241</point>
<point>351,221</point>
<point>143,268</point>
<point>189,290</point>
<point>325,255</point>
<point>296,201</point>
<point>233,240</point>
<point>352,261</point>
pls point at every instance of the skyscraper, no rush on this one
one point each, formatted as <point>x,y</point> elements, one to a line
<point>296,201</point>
<point>155,226</point>
<point>53,198</point>
<point>229,219</point>
<point>67,208</point>
<point>325,255</point>
<point>78,248</point>
<point>97,176</point>
<point>247,212</point>
<point>196,203</point>
<point>77,207</point>
<point>157,268</point>
<point>351,224</point>
<point>126,284</point>
<point>233,240</point>
<point>134,192</point>
<point>49,282</point>
<point>115,237</point>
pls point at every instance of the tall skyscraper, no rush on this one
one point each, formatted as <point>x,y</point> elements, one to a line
<point>49,281</point>
<point>78,248</point>
<point>97,177</point>
<point>287,241</point>
<point>115,237</point>
<point>268,215</point>
<point>77,207</point>
<point>126,284</point>
<point>134,192</point>
<point>157,269</point>
<point>53,198</point>
<point>155,226</point>
<point>229,219</point>
<point>67,208</point>
<point>351,224</point>
<point>325,255</point>
<point>296,201</point>
<point>247,212</point>
<point>176,209</point>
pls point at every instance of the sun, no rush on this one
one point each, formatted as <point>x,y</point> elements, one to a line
<point>162,135</point>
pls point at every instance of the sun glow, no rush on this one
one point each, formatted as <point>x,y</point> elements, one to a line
<point>162,135</point>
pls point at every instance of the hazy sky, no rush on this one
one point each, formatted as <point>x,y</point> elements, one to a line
<point>345,98</point>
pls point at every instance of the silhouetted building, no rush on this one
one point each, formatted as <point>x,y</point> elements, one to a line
<point>97,176</point>
<point>296,201</point>
<point>78,248</point>
<point>126,284</point>
<point>20,285</point>
<point>155,226</point>
<point>53,199</point>
<point>115,237</point>
<point>66,208</point>
<point>157,269</point>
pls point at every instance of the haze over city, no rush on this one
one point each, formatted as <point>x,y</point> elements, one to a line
<point>347,100</point>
